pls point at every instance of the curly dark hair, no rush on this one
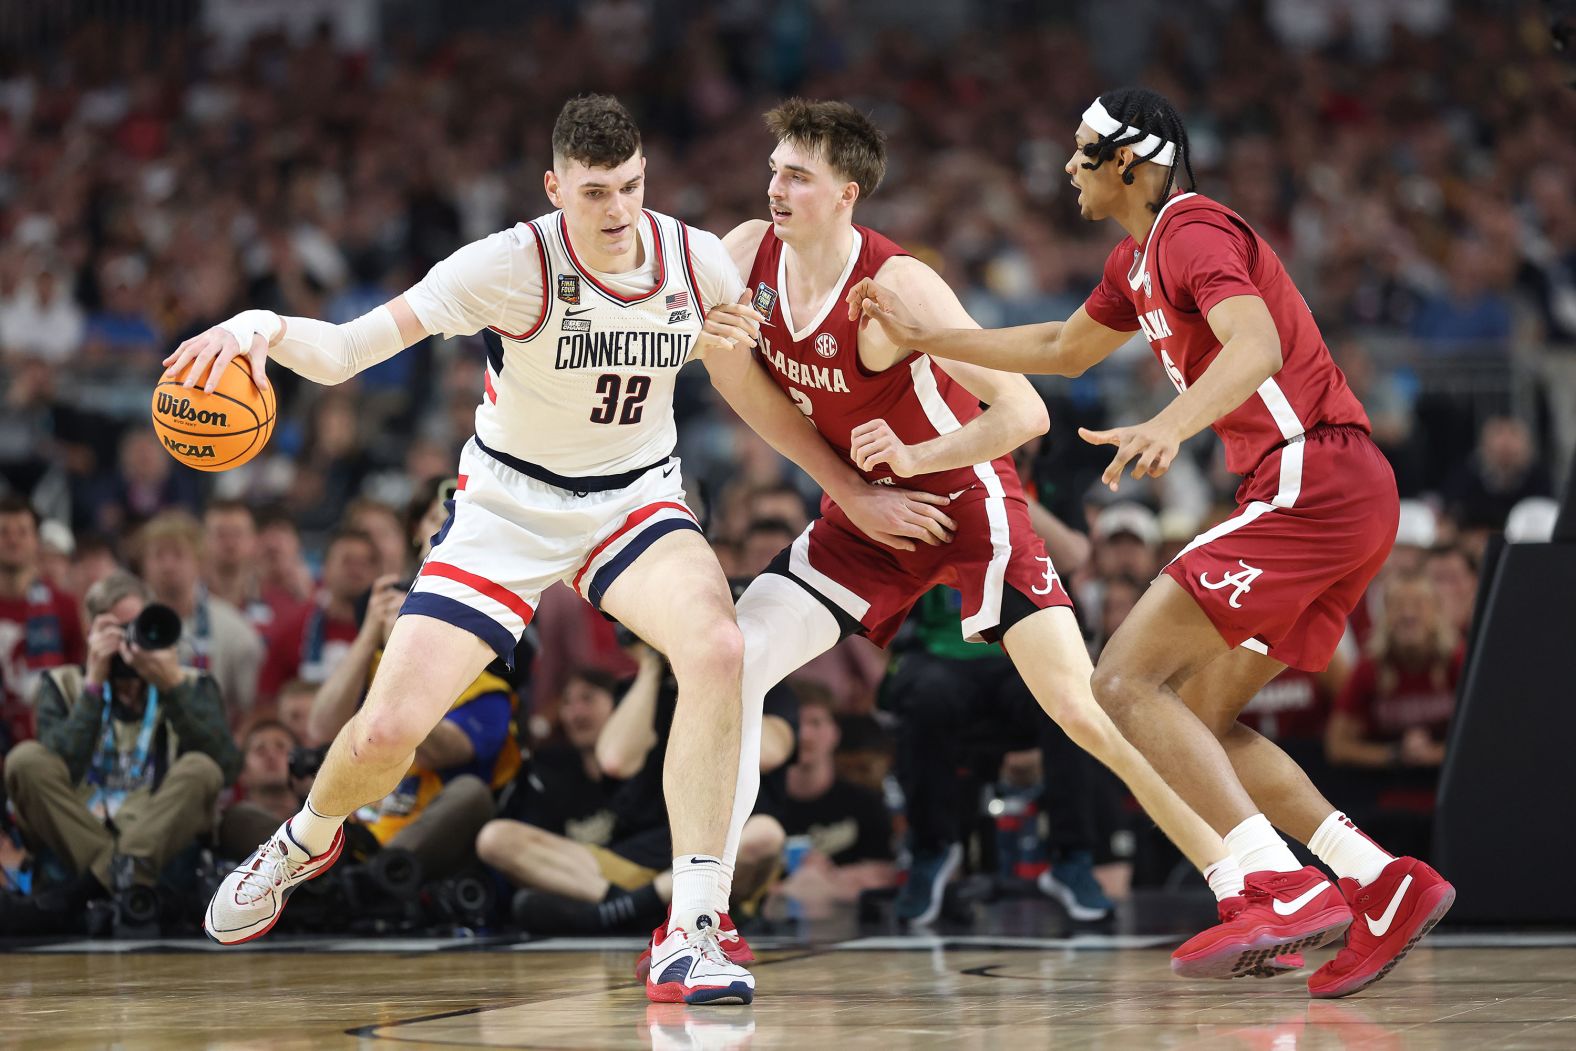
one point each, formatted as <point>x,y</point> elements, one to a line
<point>1152,114</point>
<point>595,130</point>
<point>842,136</point>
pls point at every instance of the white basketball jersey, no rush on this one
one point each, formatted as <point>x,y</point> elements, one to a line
<point>589,389</point>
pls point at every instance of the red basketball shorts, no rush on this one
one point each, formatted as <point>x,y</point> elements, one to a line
<point>994,549</point>
<point>1315,522</point>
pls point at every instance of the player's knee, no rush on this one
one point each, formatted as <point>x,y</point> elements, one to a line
<point>712,654</point>
<point>1114,690</point>
<point>385,736</point>
<point>500,840</point>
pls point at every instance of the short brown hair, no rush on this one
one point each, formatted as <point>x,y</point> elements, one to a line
<point>836,132</point>
<point>178,526</point>
<point>595,130</point>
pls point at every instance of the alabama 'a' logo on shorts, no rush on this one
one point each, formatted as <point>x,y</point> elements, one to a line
<point>1241,581</point>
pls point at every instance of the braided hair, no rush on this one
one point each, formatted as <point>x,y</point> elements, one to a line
<point>1151,114</point>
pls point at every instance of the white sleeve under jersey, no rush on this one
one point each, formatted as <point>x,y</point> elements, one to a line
<point>715,272</point>
<point>494,282</point>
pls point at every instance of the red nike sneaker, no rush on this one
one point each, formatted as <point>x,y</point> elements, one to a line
<point>1390,915</point>
<point>1280,915</point>
<point>733,945</point>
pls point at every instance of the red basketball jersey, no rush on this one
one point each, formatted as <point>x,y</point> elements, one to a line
<point>1200,252</point>
<point>815,360</point>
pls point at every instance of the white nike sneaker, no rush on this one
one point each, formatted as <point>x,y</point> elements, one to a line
<point>693,969</point>
<point>252,897</point>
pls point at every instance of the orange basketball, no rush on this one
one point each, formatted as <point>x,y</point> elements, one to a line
<point>218,431</point>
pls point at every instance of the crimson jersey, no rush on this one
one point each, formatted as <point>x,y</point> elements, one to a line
<point>1200,252</point>
<point>816,362</point>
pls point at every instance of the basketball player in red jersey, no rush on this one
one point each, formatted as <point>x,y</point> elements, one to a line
<point>1269,587</point>
<point>896,414</point>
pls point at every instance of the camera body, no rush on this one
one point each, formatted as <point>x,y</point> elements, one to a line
<point>157,627</point>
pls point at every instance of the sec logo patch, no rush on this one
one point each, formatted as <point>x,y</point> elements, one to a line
<point>826,345</point>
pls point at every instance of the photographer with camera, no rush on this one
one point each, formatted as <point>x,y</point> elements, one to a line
<point>132,752</point>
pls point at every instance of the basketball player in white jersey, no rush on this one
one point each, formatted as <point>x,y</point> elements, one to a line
<point>570,477</point>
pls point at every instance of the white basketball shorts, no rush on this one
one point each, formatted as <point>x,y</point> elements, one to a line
<point>512,532</point>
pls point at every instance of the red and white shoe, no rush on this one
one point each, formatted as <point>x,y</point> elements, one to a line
<point>1282,913</point>
<point>732,943</point>
<point>1390,915</point>
<point>252,897</point>
<point>691,968</point>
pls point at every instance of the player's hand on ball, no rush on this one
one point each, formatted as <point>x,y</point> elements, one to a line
<point>1148,446</point>
<point>868,301</point>
<point>218,346</point>
<point>875,443</point>
<point>727,327</point>
<point>898,517</point>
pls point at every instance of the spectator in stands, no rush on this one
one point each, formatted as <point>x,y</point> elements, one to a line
<point>133,750</point>
<point>39,624</point>
<point>216,636</point>
<point>311,645</point>
<point>1395,710</point>
<point>146,484</point>
<point>387,529</point>
<point>963,705</point>
<point>286,583</point>
<point>56,545</point>
<point>762,539</point>
<point>1474,311</point>
<point>1454,576</point>
<point>1504,470</point>
<point>232,568</point>
<point>576,887</point>
<point>92,559</point>
<point>561,789</point>
<point>265,793</point>
<point>294,709</point>
<point>848,827</point>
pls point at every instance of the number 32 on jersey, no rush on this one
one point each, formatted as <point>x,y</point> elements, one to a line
<point>634,391</point>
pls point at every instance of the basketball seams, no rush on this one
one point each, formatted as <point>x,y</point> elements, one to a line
<point>257,434</point>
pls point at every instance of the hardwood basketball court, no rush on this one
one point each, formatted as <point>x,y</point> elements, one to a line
<point>1457,990</point>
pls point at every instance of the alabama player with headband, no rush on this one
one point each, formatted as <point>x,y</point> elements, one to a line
<point>590,312</point>
<point>1269,587</point>
<point>901,417</point>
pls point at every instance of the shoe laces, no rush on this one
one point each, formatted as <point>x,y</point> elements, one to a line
<point>708,947</point>
<point>267,873</point>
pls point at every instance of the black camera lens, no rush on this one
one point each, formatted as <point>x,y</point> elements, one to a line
<point>157,627</point>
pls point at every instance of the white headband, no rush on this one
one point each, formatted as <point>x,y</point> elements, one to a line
<point>1106,125</point>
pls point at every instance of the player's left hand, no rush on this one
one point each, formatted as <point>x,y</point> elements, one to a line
<point>875,443</point>
<point>1149,446</point>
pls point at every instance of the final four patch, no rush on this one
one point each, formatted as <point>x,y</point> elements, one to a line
<point>765,299</point>
<point>569,288</point>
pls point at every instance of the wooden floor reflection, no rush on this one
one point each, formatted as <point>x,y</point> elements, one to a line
<point>816,999</point>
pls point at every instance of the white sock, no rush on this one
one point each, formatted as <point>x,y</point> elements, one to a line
<point>784,628</point>
<point>1342,846</point>
<point>1259,848</point>
<point>314,832</point>
<point>697,881</point>
<point>1224,878</point>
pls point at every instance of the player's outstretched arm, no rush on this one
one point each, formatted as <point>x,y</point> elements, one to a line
<point>895,517</point>
<point>1057,348</point>
<point>316,350</point>
<point>1015,412</point>
<point>1250,353</point>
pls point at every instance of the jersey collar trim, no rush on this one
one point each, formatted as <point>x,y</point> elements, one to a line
<point>661,254</point>
<point>1135,273</point>
<point>833,297</point>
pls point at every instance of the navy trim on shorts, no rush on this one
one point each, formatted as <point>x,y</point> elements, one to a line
<point>846,624</point>
<point>591,483</point>
<point>610,571</point>
<point>443,530</point>
<point>453,611</point>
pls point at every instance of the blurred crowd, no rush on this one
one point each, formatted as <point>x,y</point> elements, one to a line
<point>1404,159</point>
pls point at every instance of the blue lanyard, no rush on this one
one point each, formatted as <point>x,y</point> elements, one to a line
<point>111,771</point>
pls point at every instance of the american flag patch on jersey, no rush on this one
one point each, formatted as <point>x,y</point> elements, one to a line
<point>678,300</point>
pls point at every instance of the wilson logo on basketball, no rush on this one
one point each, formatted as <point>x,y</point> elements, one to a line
<point>826,345</point>
<point>196,452</point>
<point>175,408</point>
